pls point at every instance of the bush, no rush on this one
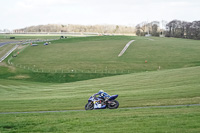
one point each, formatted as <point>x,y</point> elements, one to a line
<point>198,36</point>
<point>155,34</point>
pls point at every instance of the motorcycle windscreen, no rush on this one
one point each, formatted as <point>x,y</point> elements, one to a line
<point>113,97</point>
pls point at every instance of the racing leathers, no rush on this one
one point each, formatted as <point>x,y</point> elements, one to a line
<point>102,95</point>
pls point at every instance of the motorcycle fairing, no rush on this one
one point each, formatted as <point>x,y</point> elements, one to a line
<point>98,105</point>
<point>113,97</point>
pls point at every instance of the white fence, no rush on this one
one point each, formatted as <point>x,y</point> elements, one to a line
<point>46,70</point>
<point>8,53</point>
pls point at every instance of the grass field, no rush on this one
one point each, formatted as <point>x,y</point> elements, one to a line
<point>158,120</point>
<point>169,87</point>
<point>100,54</point>
<point>176,83</point>
<point>82,58</point>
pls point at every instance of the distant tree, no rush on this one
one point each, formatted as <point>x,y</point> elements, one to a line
<point>103,29</point>
<point>182,29</point>
<point>154,28</point>
<point>138,32</point>
<point>195,29</point>
<point>116,28</point>
<point>144,28</point>
<point>141,29</point>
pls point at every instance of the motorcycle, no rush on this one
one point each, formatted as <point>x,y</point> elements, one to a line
<point>100,103</point>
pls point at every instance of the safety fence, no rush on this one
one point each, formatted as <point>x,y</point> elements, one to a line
<point>18,43</point>
<point>8,53</point>
<point>46,70</point>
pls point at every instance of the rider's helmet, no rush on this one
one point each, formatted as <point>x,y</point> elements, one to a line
<point>101,92</point>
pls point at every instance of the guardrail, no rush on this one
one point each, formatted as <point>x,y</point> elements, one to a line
<point>30,41</point>
<point>8,53</point>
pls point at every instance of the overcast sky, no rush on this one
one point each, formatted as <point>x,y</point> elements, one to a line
<point>21,13</point>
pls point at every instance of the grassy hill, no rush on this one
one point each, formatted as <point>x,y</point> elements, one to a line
<point>166,86</point>
<point>180,120</point>
<point>137,83</point>
<point>82,58</point>
<point>169,87</point>
<point>100,54</point>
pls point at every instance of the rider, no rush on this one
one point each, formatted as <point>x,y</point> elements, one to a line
<point>102,94</point>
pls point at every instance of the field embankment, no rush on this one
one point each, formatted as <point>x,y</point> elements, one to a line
<point>169,87</point>
<point>165,71</point>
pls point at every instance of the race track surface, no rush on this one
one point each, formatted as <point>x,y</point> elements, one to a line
<point>4,43</point>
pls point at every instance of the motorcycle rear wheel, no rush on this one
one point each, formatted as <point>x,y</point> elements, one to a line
<point>89,106</point>
<point>113,105</point>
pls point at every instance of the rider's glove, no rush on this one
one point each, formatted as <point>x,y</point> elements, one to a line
<point>106,98</point>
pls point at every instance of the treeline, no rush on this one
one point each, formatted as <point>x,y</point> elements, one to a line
<point>115,29</point>
<point>153,28</point>
<point>183,29</point>
<point>174,28</point>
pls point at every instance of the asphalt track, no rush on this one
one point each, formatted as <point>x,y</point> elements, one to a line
<point>147,107</point>
<point>4,43</point>
<point>18,43</point>
<point>8,53</point>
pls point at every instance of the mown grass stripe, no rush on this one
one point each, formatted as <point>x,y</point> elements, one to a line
<point>59,111</point>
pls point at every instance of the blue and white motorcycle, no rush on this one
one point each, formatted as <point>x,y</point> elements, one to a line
<point>100,103</point>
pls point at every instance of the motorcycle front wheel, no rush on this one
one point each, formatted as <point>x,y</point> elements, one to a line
<point>113,105</point>
<point>89,106</point>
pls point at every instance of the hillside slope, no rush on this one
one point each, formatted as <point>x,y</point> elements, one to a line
<point>100,55</point>
<point>168,87</point>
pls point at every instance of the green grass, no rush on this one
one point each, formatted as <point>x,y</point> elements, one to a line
<point>100,54</point>
<point>169,87</point>
<point>11,73</point>
<point>176,83</point>
<point>173,120</point>
<point>82,58</point>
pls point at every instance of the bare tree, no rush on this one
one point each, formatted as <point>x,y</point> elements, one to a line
<point>183,29</point>
<point>102,29</point>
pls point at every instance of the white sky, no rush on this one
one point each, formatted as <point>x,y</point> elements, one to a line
<point>21,13</point>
